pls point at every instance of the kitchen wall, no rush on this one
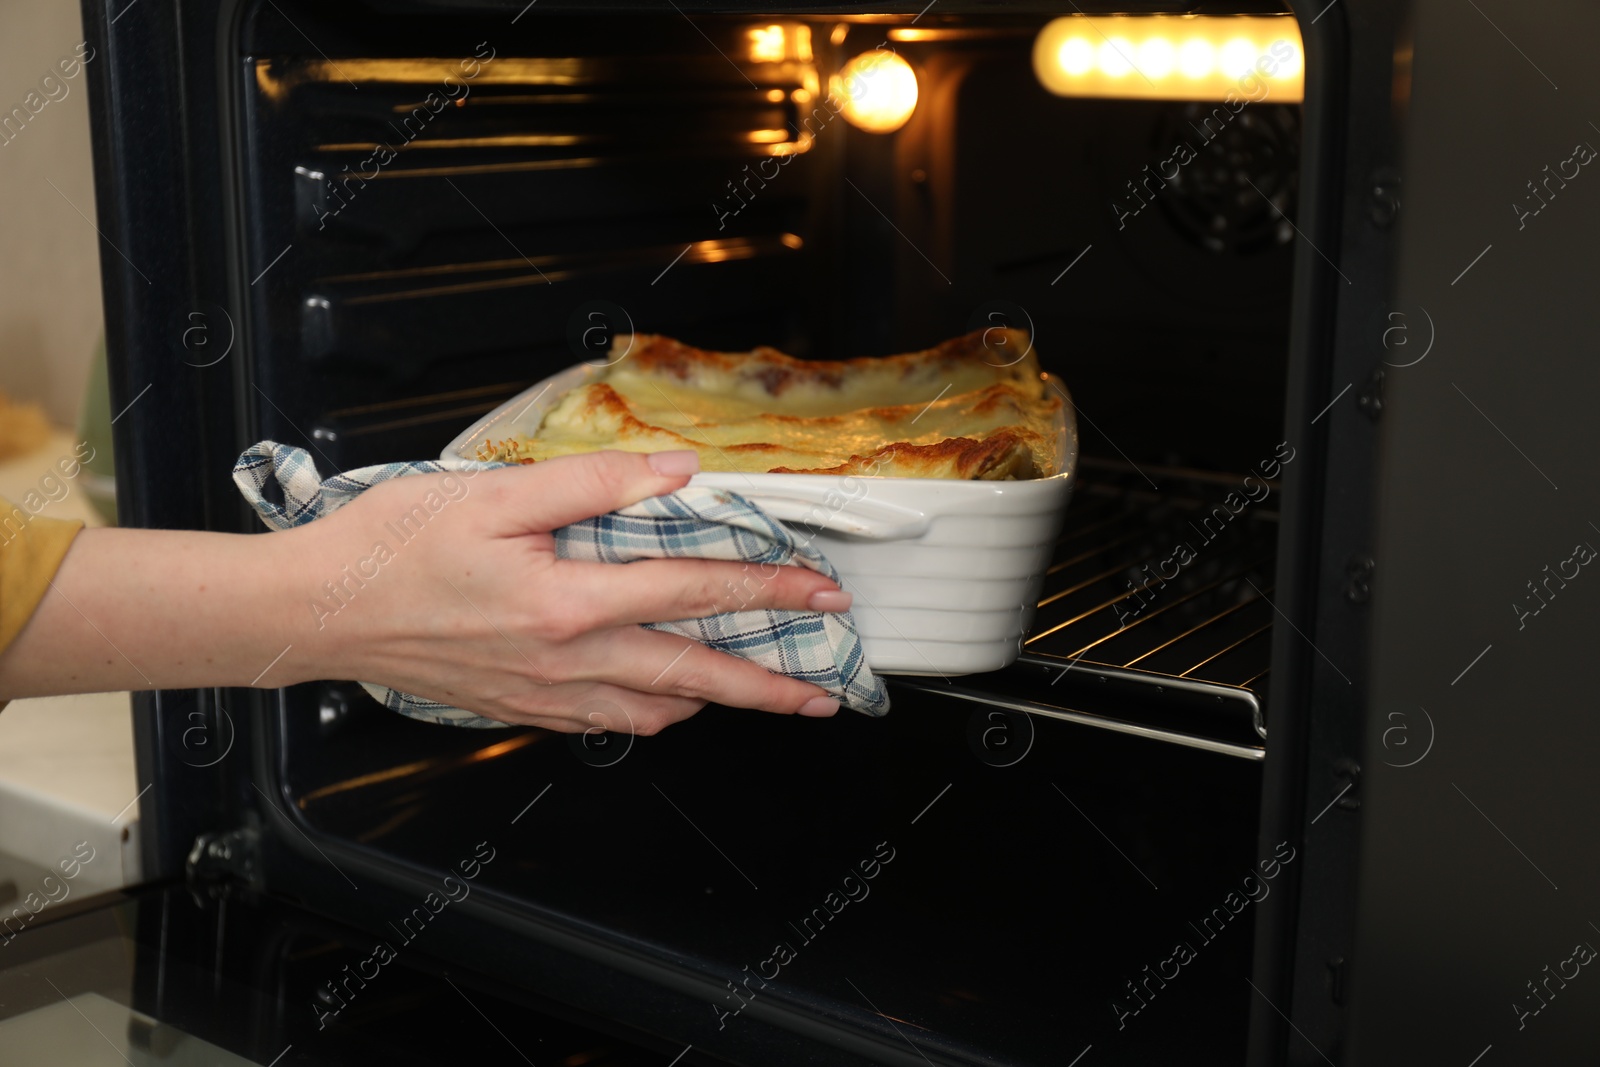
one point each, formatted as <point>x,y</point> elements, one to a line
<point>50,315</point>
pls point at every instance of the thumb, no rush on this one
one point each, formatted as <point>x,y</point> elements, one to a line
<point>570,488</point>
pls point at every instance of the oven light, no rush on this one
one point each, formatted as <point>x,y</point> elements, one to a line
<point>1076,56</point>
<point>778,42</point>
<point>1238,56</point>
<point>767,44</point>
<point>878,91</point>
<point>1157,57</point>
<point>1116,57</point>
<point>1172,57</point>
<point>1196,57</point>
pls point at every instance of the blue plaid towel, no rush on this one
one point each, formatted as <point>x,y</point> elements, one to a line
<point>819,647</point>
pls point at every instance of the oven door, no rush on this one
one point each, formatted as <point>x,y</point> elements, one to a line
<point>177,974</point>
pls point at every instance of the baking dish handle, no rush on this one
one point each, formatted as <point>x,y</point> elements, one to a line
<point>872,519</point>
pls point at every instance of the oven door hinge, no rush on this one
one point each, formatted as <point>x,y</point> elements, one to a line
<point>225,856</point>
<point>1383,191</point>
<point>1358,578</point>
<point>1338,974</point>
<point>1370,399</point>
<point>1348,798</point>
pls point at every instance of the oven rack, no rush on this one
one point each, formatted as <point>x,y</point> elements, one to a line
<point>1156,613</point>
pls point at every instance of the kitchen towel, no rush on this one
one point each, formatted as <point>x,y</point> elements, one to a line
<point>695,522</point>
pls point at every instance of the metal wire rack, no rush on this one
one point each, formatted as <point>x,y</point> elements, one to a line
<point>1156,613</point>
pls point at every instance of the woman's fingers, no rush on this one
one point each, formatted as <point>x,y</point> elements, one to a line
<point>654,662</point>
<point>524,637</point>
<point>585,707</point>
<point>665,590</point>
<point>556,492</point>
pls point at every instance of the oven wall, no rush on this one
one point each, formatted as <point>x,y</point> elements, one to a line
<point>1478,874</point>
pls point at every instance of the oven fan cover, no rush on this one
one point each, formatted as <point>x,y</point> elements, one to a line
<point>1239,193</point>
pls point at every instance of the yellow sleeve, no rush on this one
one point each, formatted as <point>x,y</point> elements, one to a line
<point>31,550</point>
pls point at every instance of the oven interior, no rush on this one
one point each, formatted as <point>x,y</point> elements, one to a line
<point>582,173</point>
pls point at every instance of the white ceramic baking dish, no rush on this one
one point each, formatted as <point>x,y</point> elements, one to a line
<point>945,573</point>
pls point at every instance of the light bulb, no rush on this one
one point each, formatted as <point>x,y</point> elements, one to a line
<point>878,90</point>
<point>1077,56</point>
<point>1157,58</point>
<point>1115,57</point>
<point>1238,56</point>
<point>1196,58</point>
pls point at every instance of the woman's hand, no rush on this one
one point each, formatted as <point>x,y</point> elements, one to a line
<point>467,603</point>
<point>445,586</point>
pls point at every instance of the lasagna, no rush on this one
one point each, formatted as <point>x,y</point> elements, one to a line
<point>952,411</point>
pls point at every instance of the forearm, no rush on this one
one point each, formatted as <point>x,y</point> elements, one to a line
<point>159,609</point>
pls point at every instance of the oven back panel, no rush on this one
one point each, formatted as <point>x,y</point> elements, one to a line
<point>425,236</point>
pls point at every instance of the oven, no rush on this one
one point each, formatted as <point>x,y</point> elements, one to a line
<point>1275,777</point>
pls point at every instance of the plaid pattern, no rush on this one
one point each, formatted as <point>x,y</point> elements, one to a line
<point>818,647</point>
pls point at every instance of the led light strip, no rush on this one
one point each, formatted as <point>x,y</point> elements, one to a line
<point>1172,57</point>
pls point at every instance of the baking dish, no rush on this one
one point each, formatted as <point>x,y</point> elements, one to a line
<point>945,573</point>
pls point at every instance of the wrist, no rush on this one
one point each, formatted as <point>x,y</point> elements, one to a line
<point>290,565</point>
<point>328,607</point>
